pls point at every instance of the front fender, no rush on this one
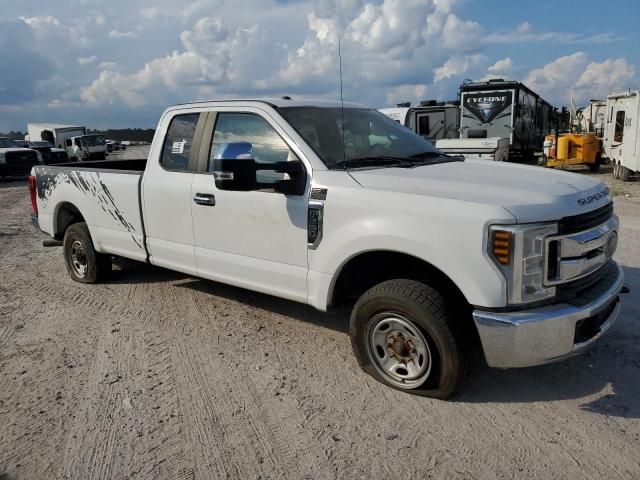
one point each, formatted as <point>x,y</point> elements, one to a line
<point>450,235</point>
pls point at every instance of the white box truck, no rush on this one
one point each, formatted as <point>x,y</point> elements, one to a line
<point>72,138</point>
<point>621,143</point>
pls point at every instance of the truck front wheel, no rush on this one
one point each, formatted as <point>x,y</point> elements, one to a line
<point>402,336</point>
<point>84,264</point>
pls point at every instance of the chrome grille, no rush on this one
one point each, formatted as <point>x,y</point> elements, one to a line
<point>577,255</point>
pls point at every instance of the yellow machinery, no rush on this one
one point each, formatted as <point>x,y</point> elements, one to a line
<point>573,149</point>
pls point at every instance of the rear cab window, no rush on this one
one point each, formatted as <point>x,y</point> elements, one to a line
<point>178,143</point>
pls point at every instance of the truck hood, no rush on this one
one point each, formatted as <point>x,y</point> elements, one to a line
<point>7,150</point>
<point>529,193</point>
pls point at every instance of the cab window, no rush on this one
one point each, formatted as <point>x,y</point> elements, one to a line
<point>268,147</point>
<point>179,142</point>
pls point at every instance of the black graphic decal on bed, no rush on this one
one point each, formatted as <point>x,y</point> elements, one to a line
<point>89,183</point>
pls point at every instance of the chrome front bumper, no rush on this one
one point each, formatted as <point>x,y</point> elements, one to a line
<point>546,334</point>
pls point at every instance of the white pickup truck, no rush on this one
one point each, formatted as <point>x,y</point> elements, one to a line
<point>323,205</point>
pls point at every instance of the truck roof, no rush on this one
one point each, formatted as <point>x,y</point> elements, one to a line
<point>278,102</point>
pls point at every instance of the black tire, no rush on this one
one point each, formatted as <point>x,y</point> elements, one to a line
<point>595,166</point>
<point>84,264</point>
<point>424,308</point>
<point>624,173</point>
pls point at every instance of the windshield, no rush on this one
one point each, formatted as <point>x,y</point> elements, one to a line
<point>93,140</point>
<point>370,138</point>
<point>6,143</point>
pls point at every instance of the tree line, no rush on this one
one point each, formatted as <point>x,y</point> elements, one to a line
<point>131,134</point>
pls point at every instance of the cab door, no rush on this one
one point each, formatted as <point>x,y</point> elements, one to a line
<point>166,192</point>
<point>252,239</point>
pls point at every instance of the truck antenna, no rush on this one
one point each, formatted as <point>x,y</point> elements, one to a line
<point>344,154</point>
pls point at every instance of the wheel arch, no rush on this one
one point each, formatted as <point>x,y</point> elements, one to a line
<point>65,215</point>
<point>389,264</point>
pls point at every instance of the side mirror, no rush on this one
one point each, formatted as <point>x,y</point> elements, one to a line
<point>297,181</point>
<point>234,167</point>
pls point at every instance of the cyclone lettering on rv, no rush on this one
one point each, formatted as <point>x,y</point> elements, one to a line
<point>488,105</point>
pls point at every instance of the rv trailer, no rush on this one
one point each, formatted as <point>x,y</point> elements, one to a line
<point>621,142</point>
<point>499,108</point>
<point>432,120</point>
<point>593,118</point>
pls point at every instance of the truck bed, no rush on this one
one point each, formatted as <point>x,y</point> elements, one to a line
<point>106,193</point>
<point>129,165</point>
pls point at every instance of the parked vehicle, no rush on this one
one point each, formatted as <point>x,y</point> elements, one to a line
<point>50,154</point>
<point>323,203</point>
<point>593,118</point>
<point>566,149</point>
<point>496,149</point>
<point>506,109</point>
<point>16,160</point>
<point>621,143</point>
<point>72,138</point>
<point>431,120</point>
<point>86,147</point>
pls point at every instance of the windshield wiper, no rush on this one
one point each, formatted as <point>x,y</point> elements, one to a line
<point>376,161</point>
<point>429,158</point>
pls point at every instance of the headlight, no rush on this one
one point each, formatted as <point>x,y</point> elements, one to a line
<point>3,160</point>
<point>519,252</point>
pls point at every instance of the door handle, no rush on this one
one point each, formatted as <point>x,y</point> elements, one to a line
<point>205,199</point>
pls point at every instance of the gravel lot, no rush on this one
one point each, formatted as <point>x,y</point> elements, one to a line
<point>160,375</point>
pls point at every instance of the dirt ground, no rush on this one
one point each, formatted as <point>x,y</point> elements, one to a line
<point>159,375</point>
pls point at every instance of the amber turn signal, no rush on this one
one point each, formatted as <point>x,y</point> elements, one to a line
<point>501,245</point>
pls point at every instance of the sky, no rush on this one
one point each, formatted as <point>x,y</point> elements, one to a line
<point>120,63</point>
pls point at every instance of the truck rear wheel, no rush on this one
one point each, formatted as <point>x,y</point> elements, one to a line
<point>84,264</point>
<point>402,336</point>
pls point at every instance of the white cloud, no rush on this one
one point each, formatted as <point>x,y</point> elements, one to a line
<point>118,34</point>
<point>107,66</point>
<point>525,33</point>
<point>87,60</point>
<point>165,51</point>
<point>573,75</point>
<point>147,84</point>
<point>501,66</point>
<point>51,32</point>
<point>601,79</point>
<point>406,93</point>
<point>458,65</point>
<point>557,76</point>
